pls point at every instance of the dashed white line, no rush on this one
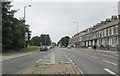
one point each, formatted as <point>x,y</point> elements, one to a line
<point>114,63</point>
<point>109,71</point>
<point>109,62</point>
<point>104,55</point>
<point>94,57</point>
<point>41,58</point>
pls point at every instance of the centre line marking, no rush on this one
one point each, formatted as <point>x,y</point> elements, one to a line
<point>94,57</point>
<point>104,55</point>
<point>109,71</point>
<point>109,62</point>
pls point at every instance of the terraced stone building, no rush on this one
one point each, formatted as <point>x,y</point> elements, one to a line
<point>105,35</point>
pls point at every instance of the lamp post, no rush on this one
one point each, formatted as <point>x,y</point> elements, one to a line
<point>25,10</point>
<point>77,32</point>
<point>76,25</point>
<point>26,32</point>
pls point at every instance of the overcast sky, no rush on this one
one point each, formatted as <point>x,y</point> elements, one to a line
<point>56,18</point>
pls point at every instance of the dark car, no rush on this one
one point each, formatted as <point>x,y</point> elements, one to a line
<point>43,48</point>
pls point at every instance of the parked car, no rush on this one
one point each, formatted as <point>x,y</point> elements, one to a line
<point>69,47</point>
<point>48,47</point>
<point>43,48</point>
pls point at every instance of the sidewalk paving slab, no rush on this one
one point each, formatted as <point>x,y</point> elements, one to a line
<point>8,57</point>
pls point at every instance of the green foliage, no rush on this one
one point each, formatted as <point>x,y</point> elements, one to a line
<point>64,41</point>
<point>6,26</point>
<point>13,30</point>
<point>44,39</point>
<point>35,41</point>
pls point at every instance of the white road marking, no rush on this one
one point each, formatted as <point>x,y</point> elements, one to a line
<point>79,70</point>
<point>41,58</point>
<point>69,59</point>
<point>52,58</point>
<point>73,63</point>
<point>109,62</point>
<point>104,55</point>
<point>94,57</point>
<point>109,71</point>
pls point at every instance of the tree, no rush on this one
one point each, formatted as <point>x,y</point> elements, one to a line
<point>35,41</point>
<point>13,29</point>
<point>64,41</point>
<point>18,34</point>
<point>45,39</point>
<point>6,26</point>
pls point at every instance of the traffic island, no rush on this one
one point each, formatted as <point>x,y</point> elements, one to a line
<point>51,69</point>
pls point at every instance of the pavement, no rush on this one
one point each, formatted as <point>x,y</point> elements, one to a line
<point>12,56</point>
<point>103,52</point>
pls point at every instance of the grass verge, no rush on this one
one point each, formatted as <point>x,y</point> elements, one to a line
<point>31,48</point>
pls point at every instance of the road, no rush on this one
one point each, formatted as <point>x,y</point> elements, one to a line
<point>14,65</point>
<point>92,62</point>
<point>88,62</point>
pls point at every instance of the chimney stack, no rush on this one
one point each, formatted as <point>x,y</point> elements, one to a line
<point>108,20</point>
<point>102,22</point>
<point>114,18</point>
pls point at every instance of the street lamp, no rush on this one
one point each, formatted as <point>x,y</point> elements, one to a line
<point>77,31</point>
<point>25,10</point>
<point>76,25</point>
<point>26,32</point>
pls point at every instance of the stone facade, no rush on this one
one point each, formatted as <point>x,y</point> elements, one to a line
<point>105,35</point>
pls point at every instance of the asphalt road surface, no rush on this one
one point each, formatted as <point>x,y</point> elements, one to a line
<point>87,61</point>
<point>93,62</point>
<point>14,65</point>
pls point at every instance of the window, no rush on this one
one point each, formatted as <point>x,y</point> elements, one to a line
<point>110,41</point>
<point>100,33</point>
<point>103,41</point>
<point>105,32</point>
<point>97,34</point>
<point>109,31</point>
<point>112,30</point>
<point>116,29</point>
